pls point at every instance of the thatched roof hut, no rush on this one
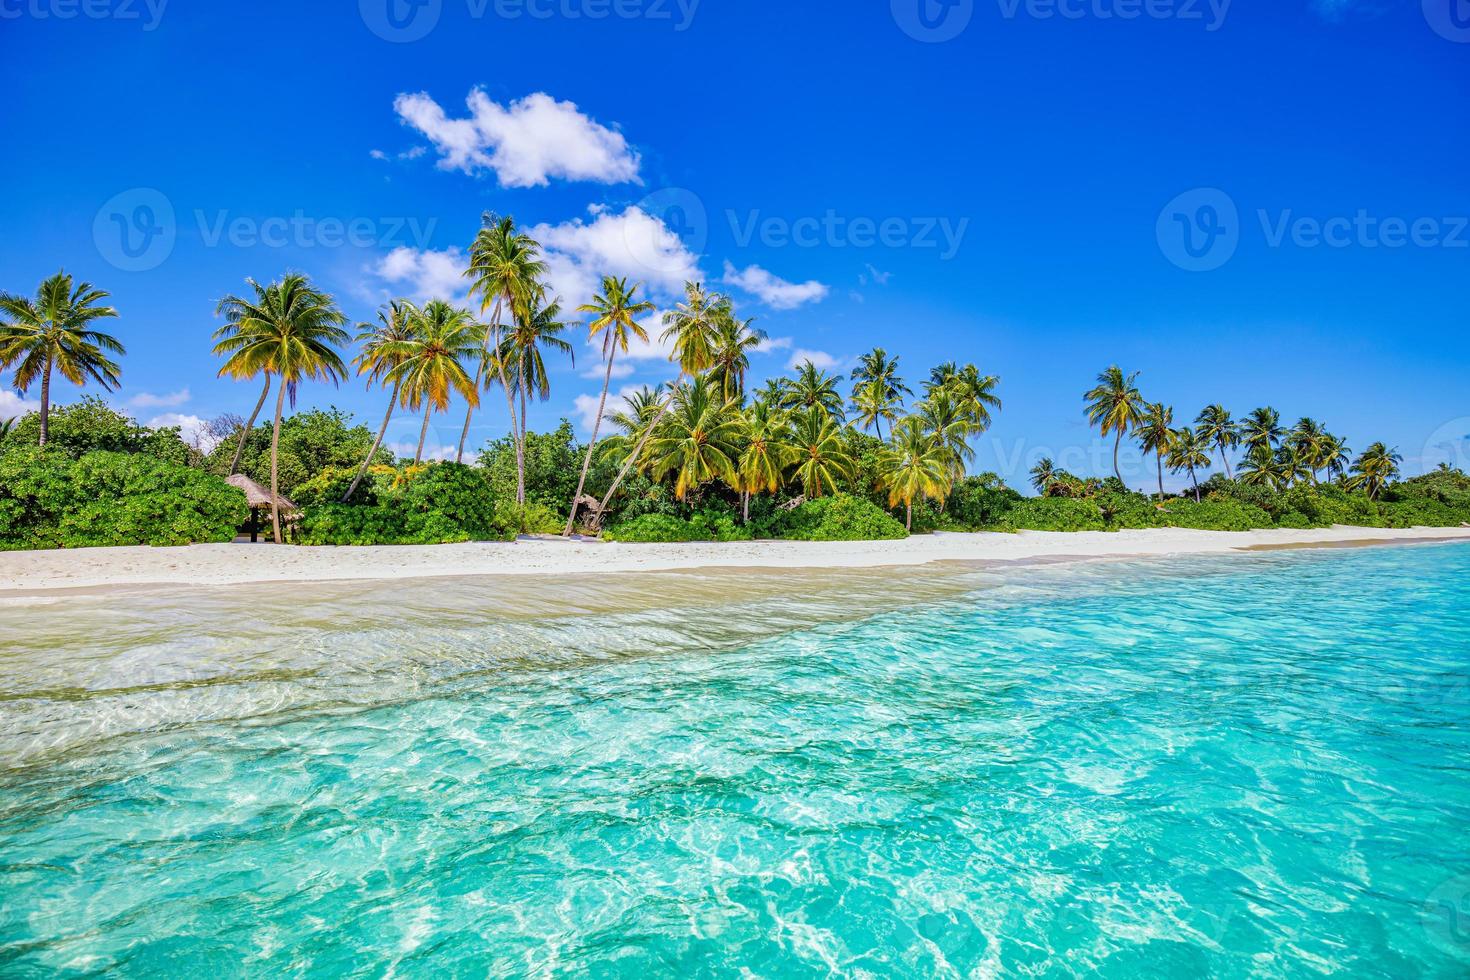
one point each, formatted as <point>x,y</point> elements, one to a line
<point>257,496</point>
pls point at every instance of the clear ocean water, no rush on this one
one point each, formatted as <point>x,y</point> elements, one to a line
<point>1231,767</point>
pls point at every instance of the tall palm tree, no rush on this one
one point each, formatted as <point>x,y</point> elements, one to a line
<point>1306,440</point>
<point>1219,429</point>
<point>814,388</point>
<point>632,421</point>
<point>1294,464</point>
<point>1115,405</point>
<point>534,328</point>
<point>383,349</point>
<point>1262,467</point>
<point>1043,475</point>
<point>1156,435</point>
<point>1261,429</point>
<point>734,339</point>
<point>1335,455</point>
<point>976,395</point>
<point>821,456</point>
<point>945,417</point>
<point>431,364</point>
<point>220,334</point>
<point>292,330</point>
<point>506,273</point>
<point>691,328</point>
<point>1190,451</point>
<point>614,316</point>
<point>877,390</point>
<point>54,332</point>
<point>1376,468</point>
<point>699,439</point>
<point>767,454</point>
<point>915,464</point>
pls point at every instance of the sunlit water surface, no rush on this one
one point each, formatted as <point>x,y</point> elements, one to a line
<point>1245,766</point>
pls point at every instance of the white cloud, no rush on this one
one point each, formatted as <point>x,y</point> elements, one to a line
<point>192,429</point>
<point>773,290</point>
<point>526,143</point>
<point>772,344</point>
<point>585,406</point>
<point>146,399</point>
<point>432,451</point>
<point>620,369</point>
<point>633,243</point>
<point>425,275</point>
<point>12,406</point>
<point>377,154</point>
<point>819,358</point>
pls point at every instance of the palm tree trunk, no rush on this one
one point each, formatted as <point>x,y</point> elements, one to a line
<point>382,429</point>
<point>1195,480</point>
<point>45,404</point>
<point>245,432</point>
<point>1226,460</point>
<point>879,423</point>
<point>638,449</point>
<point>908,515</point>
<point>596,424</point>
<point>1116,443</point>
<point>423,434</point>
<point>1158,458</point>
<point>745,507</point>
<point>521,442</point>
<point>469,412</point>
<point>275,448</point>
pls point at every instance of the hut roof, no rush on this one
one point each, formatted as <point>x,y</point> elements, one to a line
<point>255,494</point>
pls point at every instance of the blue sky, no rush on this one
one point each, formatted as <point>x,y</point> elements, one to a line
<point>997,181</point>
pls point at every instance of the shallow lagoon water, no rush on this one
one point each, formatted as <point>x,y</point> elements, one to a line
<point>1242,766</point>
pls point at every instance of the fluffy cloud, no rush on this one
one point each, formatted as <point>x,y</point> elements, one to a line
<point>773,290</point>
<point>146,399</point>
<point>192,429</point>
<point>425,275</point>
<point>819,358</point>
<point>12,406</point>
<point>526,142</point>
<point>772,344</point>
<point>632,243</point>
<point>585,406</point>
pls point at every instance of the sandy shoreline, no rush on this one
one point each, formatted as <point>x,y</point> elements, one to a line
<point>230,564</point>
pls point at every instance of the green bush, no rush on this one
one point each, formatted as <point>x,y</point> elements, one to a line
<point>50,500</point>
<point>311,442</point>
<point>553,463</point>
<point>439,503</point>
<point>1052,514</point>
<point>702,526</point>
<point>1215,515</point>
<point>534,518</point>
<point>90,426</point>
<point>839,518</point>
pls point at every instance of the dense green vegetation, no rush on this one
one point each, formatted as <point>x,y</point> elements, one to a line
<point>812,456</point>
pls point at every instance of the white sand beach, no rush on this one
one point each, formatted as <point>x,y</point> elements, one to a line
<point>229,564</point>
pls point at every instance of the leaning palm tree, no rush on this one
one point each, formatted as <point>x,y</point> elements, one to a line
<point>227,330</point>
<point>1043,475</point>
<point>1190,451</point>
<point>871,404</point>
<point>1335,455</point>
<point>699,439</point>
<point>733,341</point>
<point>383,349</point>
<point>877,390</point>
<point>506,273</point>
<point>534,328</point>
<point>632,422</point>
<point>54,333</point>
<point>1156,435</point>
<point>615,313</point>
<point>431,364</point>
<point>814,388</point>
<point>1262,467</point>
<point>1261,430</point>
<point>1219,429</point>
<point>943,416</point>
<point>1376,468</point>
<point>915,464</point>
<point>821,456</point>
<point>292,330</point>
<point>768,453</point>
<point>976,395</point>
<point>1306,440</point>
<point>1115,405</point>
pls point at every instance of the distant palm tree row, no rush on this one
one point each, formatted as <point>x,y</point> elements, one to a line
<point>1275,457</point>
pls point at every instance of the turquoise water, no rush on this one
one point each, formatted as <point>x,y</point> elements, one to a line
<point>1254,766</point>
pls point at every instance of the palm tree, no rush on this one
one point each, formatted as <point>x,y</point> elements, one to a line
<point>1261,429</point>
<point>976,395</point>
<point>944,417</point>
<point>1156,435</point>
<point>506,272</point>
<point>699,439</point>
<point>431,363</point>
<point>821,456</point>
<point>1294,464</point>
<point>1190,451</point>
<point>1306,441</point>
<point>1376,467</point>
<point>814,388</point>
<point>767,454</point>
<point>1043,475</point>
<point>1219,429</point>
<point>632,421</point>
<point>614,315</point>
<point>225,331</point>
<point>1335,455</point>
<point>877,390</point>
<point>534,328</point>
<point>690,325</point>
<point>1115,405</point>
<point>734,339</point>
<point>915,464</point>
<point>292,330</point>
<point>1262,467</point>
<point>382,350</point>
<point>54,332</point>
